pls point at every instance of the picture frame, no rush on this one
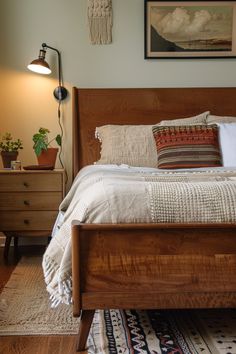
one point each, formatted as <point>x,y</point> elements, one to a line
<point>189,29</point>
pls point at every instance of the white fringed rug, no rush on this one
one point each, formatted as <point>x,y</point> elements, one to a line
<point>25,306</point>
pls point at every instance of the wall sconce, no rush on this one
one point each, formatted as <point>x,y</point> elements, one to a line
<point>41,66</point>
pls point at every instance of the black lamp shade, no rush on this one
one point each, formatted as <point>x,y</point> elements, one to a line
<point>40,66</point>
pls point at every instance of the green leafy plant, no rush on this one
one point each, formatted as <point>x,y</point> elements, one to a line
<point>41,141</point>
<point>8,144</point>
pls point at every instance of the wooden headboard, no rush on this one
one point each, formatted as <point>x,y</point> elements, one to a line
<point>96,107</point>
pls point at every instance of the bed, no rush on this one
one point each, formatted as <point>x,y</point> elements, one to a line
<point>150,265</point>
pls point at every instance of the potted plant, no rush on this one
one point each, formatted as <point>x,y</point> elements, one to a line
<point>9,149</point>
<point>46,154</point>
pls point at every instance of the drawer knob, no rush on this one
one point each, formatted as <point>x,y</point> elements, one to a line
<point>26,184</point>
<point>26,222</point>
<point>26,202</point>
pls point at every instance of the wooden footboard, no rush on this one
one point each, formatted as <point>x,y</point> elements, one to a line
<point>152,266</point>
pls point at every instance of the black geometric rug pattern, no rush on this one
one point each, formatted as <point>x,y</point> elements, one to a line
<point>164,332</point>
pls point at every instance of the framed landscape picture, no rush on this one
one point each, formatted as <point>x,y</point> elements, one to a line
<point>190,29</point>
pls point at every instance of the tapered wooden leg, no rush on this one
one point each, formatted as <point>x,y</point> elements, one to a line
<point>7,246</point>
<point>85,324</point>
<point>15,246</point>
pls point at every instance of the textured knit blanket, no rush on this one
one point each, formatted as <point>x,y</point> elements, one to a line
<point>128,195</point>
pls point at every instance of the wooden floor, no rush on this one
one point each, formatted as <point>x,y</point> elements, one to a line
<point>31,344</point>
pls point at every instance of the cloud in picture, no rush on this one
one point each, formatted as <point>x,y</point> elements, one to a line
<point>182,23</point>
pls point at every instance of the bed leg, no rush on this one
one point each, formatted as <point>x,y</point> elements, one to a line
<point>7,246</point>
<point>86,320</point>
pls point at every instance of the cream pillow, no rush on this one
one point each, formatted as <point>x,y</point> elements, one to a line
<point>211,119</point>
<point>133,145</point>
<point>199,119</point>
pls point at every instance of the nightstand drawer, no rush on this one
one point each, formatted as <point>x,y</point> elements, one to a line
<point>30,201</point>
<point>27,220</point>
<point>30,182</point>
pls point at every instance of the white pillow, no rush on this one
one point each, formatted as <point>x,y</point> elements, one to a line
<point>211,119</point>
<point>227,135</point>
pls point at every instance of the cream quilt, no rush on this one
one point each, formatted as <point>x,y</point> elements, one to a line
<point>122,194</point>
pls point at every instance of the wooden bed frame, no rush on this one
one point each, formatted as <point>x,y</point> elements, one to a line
<point>146,266</point>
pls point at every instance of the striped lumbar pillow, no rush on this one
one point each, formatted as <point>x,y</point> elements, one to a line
<point>187,146</point>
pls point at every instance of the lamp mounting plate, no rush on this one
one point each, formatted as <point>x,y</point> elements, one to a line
<point>60,93</point>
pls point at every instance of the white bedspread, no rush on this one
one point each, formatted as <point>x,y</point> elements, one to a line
<point>123,194</point>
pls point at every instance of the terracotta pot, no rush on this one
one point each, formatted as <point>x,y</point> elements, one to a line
<point>7,157</point>
<point>48,157</point>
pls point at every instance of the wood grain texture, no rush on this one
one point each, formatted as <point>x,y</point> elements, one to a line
<point>76,275</point>
<point>27,220</point>
<point>30,200</point>
<point>158,301</point>
<point>162,274</point>
<point>85,324</point>
<point>38,345</point>
<point>27,181</point>
<point>163,261</point>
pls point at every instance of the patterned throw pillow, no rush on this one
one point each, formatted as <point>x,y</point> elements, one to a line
<point>187,146</point>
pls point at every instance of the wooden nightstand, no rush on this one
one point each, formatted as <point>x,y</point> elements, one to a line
<point>29,203</point>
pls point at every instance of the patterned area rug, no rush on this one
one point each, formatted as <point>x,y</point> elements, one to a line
<point>169,332</point>
<point>25,310</point>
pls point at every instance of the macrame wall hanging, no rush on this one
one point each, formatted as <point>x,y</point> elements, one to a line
<point>100,21</point>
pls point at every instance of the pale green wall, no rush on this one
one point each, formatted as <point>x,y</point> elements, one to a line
<point>26,98</point>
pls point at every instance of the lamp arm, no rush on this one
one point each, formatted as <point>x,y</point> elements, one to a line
<point>60,92</point>
<point>44,45</point>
